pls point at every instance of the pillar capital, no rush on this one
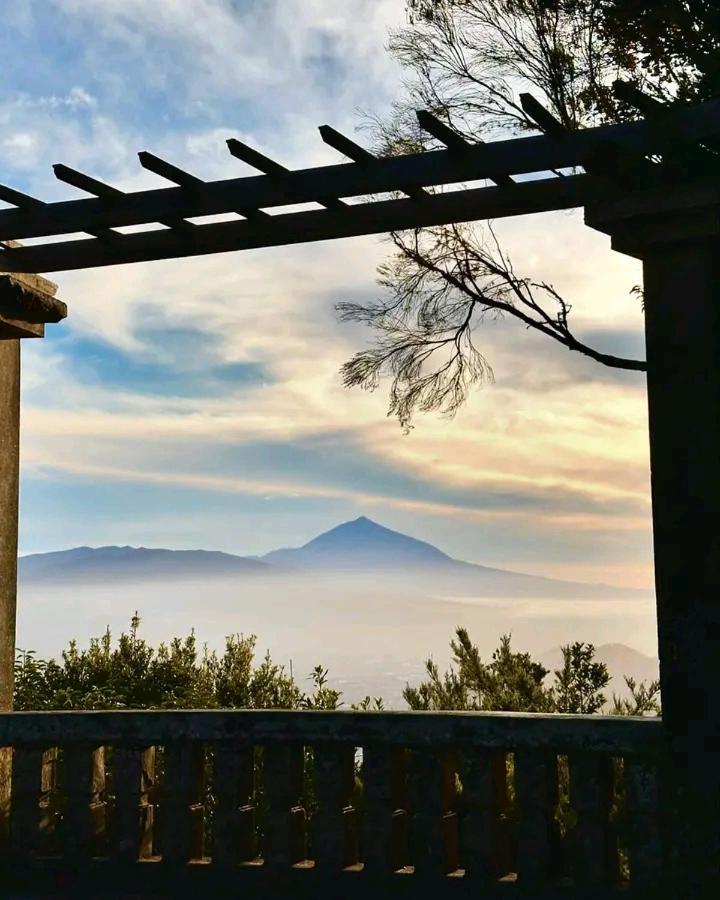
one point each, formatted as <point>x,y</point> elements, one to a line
<point>27,304</point>
<point>648,222</point>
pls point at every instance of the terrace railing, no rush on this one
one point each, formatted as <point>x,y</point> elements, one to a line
<point>339,804</point>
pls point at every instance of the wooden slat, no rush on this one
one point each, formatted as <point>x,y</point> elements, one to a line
<point>427,827</point>
<point>182,811</point>
<point>536,797</point>
<point>167,170</point>
<point>358,154</point>
<point>269,166</point>
<point>374,217</point>
<point>233,785</point>
<point>483,798</point>
<point>452,140</point>
<point>82,777</point>
<point>509,157</point>
<point>332,826</point>
<point>92,185</point>
<point>643,808</point>
<point>591,798</point>
<point>285,839</point>
<point>25,800</point>
<point>133,815</point>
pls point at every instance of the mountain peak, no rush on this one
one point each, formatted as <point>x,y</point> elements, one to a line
<point>360,543</point>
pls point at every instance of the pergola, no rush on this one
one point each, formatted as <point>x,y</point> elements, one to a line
<point>653,185</point>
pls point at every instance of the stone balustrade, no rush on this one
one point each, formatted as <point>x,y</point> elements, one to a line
<point>325,804</point>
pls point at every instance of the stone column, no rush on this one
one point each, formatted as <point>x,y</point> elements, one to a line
<point>9,468</point>
<point>27,302</point>
<point>676,234</point>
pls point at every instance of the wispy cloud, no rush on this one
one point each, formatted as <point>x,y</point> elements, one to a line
<point>219,376</point>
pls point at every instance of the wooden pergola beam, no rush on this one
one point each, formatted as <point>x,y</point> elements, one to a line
<point>519,156</point>
<point>91,185</point>
<point>315,225</point>
<point>452,140</point>
<point>267,166</point>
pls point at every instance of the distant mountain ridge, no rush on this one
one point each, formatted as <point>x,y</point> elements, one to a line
<point>361,548</point>
<point>84,563</point>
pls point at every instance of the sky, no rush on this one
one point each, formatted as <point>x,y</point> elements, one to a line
<point>198,404</point>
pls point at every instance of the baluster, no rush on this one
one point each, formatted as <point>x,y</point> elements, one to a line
<point>484,797</point>
<point>133,814</point>
<point>427,826</point>
<point>450,764</point>
<point>334,777</point>
<point>82,780</point>
<point>182,808</point>
<point>536,797</point>
<point>284,843</point>
<point>644,845</point>
<point>48,802</point>
<point>25,800</point>
<point>379,767</point>
<point>591,780</point>
<point>233,780</point>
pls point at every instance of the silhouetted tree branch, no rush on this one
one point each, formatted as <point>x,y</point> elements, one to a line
<point>467,61</point>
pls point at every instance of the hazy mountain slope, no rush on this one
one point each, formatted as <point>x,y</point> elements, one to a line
<point>140,563</point>
<point>360,543</point>
<point>363,547</point>
<point>353,553</point>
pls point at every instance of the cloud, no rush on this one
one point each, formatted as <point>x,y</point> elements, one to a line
<point>219,375</point>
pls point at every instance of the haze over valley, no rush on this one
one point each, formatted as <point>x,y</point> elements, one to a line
<point>367,602</point>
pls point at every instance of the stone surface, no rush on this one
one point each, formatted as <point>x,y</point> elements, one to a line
<point>27,303</point>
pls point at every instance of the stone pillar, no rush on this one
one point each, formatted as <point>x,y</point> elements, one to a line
<point>677,236</point>
<point>9,469</point>
<point>27,302</point>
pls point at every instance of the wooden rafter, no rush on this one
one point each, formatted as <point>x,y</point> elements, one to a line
<point>613,156</point>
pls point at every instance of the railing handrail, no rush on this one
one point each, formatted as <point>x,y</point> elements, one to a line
<point>619,735</point>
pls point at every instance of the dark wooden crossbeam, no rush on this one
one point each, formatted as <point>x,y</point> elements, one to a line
<point>167,170</point>
<point>517,156</point>
<point>269,166</point>
<point>179,176</point>
<point>106,191</point>
<point>452,140</point>
<point>374,217</point>
<point>25,201</point>
<point>604,158</point>
<point>675,149</point>
<point>543,118</point>
<point>361,156</point>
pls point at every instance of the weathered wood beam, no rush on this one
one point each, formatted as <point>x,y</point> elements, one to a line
<point>511,157</point>
<point>268,166</point>
<point>106,191</point>
<point>315,225</point>
<point>452,140</point>
<point>179,176</point>
<point>605,158</point>
<point>686,156</point>
<point>26,202</point>
<point>543,118</point>
<point>362,157</point>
